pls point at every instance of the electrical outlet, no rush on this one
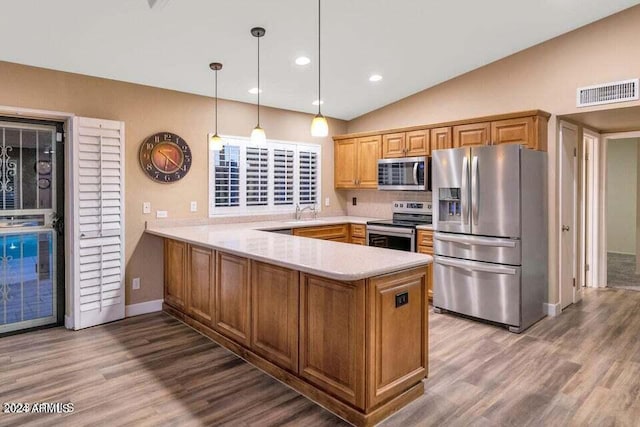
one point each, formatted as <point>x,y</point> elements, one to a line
<point>194,206</point>
<point>162,214</point>
<point>135,283</point>
<point>327,201</point>
<point>146,208</point>
<point>354,201</point>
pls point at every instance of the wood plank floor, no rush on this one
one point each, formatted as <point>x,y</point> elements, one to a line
<point>581,368</point>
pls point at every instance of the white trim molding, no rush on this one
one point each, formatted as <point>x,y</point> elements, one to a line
<point>68,322</point>
<point>143,308</point>
<point>552,310</point>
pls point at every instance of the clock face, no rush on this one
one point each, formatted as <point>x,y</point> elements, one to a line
<point>165,157</point>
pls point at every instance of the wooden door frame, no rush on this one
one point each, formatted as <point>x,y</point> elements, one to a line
<point>602,209</point>
<point>67,119</point>
<point>564,124</point>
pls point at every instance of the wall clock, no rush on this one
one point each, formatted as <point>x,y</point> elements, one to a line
<point>165,157</point>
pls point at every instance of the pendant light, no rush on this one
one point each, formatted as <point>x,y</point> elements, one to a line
<point>257,135</point>
<point>319,125</point>
<point>215,142</point>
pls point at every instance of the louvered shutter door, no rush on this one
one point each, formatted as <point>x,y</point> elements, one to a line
<point>308,172</point>
<point>98,182</point>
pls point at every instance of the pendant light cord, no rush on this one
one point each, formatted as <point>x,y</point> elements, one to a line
<point>216,101</point>
<point>319,61</point>
<point>258,81</point>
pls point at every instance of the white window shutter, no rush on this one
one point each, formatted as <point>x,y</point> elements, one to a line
<point>98,226</point>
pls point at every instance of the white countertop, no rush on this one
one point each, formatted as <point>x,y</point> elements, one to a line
<point>334,260</point>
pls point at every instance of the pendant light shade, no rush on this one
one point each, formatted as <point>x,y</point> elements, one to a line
<point>319,125</point>
<point>258,135</point>
<point>215,142</point>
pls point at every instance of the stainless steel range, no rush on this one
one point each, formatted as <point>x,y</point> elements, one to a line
<point>399,232</point>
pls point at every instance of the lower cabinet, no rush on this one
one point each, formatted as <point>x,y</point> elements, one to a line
<point>425,246</point>
<point>397,342</point>
<point>338,232</point>
<point>231,314</point>
<point>200,284</point>
<point>274,314</point>
<point>358,234</point>
<point>332,337</point>
<point>175,273</point>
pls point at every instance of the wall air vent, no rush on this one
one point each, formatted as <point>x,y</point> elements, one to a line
<point>607,93</point>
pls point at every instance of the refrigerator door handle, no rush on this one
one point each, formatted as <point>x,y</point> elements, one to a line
<point>472,266</point>
<point>475,196</point>
<point>479,241</point>
<point>415,173</point>
<point>464,190</point>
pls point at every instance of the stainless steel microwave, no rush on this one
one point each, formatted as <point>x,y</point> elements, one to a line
<point>405,174</point>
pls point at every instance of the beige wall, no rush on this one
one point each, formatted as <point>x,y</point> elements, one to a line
<point>622,163</point>
<point>543,77</point>
<point>146,110</point>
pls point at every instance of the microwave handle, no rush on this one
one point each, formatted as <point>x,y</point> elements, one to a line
<point>415,173</point>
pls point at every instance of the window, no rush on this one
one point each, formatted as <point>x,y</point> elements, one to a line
<point>249,179</point>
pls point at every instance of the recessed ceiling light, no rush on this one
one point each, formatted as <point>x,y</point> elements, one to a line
<point>317,102</point>
<point>303,60</point>
<point>375,78</point>
<point>254,91</point>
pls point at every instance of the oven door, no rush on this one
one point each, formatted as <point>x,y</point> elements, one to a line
<point>403,239</point>
<point>409,173</point>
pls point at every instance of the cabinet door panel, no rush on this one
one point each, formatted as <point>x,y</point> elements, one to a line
<point>200,284</point>
<point>417,143</point>
<point>175,273</point>
<point>232,297</point>
<point>393,145</point>
<point>345,164</point>
<point>471,135</point>
<point>513,131</point>
<point>327,232</point>
<point>369,150</point>
<point>397,325</point>
<point>332,337</point>
<point>274,308</point>
<point>441,138</point>
<point>358,230</point>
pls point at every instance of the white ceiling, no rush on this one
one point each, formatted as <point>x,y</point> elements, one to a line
<point>413,44</point>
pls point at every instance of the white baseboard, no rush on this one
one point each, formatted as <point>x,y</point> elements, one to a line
<point>621,253</point>
<point>552,310</point>
<point>143,308</point>
<point>68,322</point>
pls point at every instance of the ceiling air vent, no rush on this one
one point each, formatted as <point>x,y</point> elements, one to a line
<point>607,93</point>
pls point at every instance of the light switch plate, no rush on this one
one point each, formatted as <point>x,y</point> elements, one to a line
<point>327,201</point>
<point>194,206</point>
<point>135,283</point>
<point>146,208</point>
<point>162,214</point>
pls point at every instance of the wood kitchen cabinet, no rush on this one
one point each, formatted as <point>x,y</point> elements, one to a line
<point>274,314</point>
<point>474,134</point>
<point>406,144</point>
<point>441,138</point>
<point>338,232</point>
<point>232,298</point>
<point>356,162</point>
<point>200,283</point>
<point>397,352</point>
<point>529,131</point>
<point>358,234</point>
<point>332,337</point>
<point>425,246</point>
<point>175,273</point>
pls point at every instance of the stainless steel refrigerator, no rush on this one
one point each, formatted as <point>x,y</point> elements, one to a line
<point>490,240</point>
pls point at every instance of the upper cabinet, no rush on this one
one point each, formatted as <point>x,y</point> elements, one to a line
<point>356,155</point>
<point>470,135</point>
<point>406,144</point>
<point>356,162</point>
<point>441,138</point>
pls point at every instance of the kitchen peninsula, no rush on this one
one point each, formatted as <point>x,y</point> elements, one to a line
<point>343,324</point>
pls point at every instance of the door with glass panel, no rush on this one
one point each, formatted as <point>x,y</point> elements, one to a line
<point>28,240</point>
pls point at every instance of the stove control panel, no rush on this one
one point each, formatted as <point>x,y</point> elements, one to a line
<point>408,206</point>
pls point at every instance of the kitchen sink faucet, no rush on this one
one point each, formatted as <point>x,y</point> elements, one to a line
<point>311,208</point>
